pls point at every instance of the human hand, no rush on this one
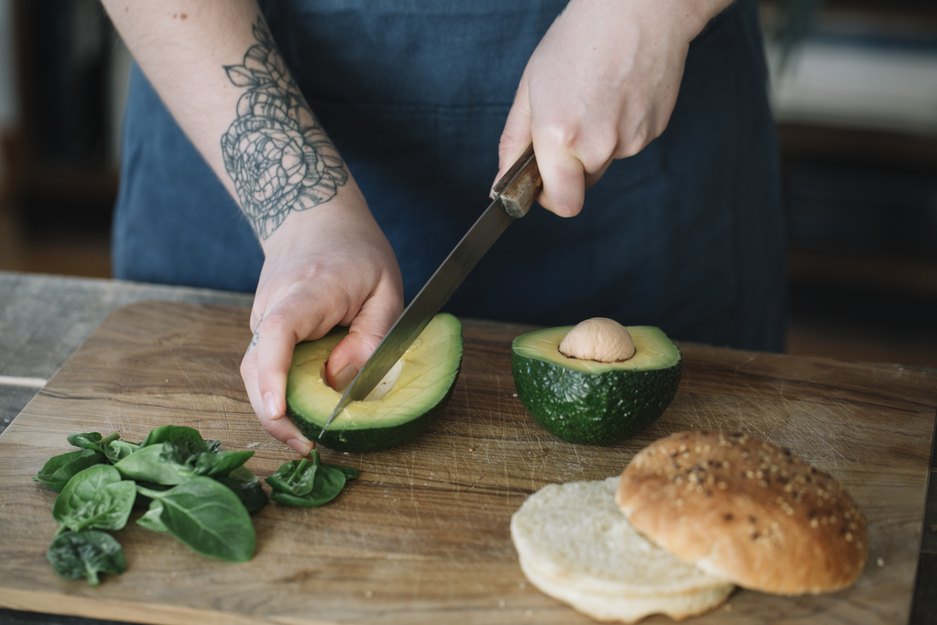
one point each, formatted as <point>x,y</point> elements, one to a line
<point>324,267</point>
<point>600,86</point>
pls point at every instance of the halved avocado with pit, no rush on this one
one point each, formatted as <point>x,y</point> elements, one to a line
<point>427,375</point>
<point>584,401</point>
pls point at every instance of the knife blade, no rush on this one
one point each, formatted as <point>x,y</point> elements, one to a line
<point>512,197</point>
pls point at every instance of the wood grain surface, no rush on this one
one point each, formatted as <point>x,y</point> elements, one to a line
<point>422,536</point>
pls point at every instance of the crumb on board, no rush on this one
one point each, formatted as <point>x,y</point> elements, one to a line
<point>880,562</point>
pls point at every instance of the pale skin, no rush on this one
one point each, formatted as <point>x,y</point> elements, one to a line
<point>600,86</point>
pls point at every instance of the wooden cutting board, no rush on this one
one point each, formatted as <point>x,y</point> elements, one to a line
<point>422,536</point>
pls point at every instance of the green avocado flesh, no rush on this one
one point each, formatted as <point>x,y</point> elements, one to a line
<point>429,370</point>
<point>583,401</point>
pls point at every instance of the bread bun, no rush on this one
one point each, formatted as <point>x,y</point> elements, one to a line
<point>746,510</point>
<point>575,545</point>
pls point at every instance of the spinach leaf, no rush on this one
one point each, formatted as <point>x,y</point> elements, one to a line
<point>210,463</point>
<point>179,435</point>
<point>329,482</point>
<point>95,498</point>
<point>58,470</point>
<point>148,464</point>
<point>209,518</point>
<point>220,463</point>
<point>246,486</point>
<point>117,450</point>
<point>309,483</point>
<point>151,520</point>
<point>296,477</point>
<point>169,463</point>
<point>92,440</point>
<point>351,473</point>
<point>86,554</point>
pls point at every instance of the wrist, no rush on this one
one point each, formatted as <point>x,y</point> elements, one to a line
<point>688,17</point>
<point>340,216</point>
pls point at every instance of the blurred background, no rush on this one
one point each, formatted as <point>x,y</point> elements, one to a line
<point>854,89</point>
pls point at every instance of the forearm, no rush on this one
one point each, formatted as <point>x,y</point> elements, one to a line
<point>218,71</point>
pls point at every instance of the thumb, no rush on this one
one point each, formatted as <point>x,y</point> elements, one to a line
<point>516,137</point>
<point>364,335</point>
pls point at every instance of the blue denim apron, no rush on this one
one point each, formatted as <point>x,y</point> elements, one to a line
<point>686,235</point>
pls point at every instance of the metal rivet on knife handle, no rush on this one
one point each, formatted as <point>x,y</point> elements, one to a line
<point>518,187</point>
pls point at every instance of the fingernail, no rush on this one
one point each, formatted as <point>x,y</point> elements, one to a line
<point>344,377</point>
<point>270,405</point>
<point>303,446</point>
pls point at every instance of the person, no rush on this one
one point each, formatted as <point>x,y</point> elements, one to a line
<point>359,139</point>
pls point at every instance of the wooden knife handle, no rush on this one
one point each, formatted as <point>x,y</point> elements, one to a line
<point>518,187</point>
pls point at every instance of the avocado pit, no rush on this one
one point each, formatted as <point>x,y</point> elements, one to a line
<point>599,339</point>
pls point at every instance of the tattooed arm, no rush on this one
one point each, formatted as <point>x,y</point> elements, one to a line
<point>217,68</point>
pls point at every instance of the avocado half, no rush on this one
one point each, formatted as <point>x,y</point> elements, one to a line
<point>583,401</point>
<point>427,375</point>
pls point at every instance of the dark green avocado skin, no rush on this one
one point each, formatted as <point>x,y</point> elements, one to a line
<point>593,408</point>
<point>370,439</point>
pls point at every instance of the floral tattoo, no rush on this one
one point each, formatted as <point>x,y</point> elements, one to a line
<point>277,154</point>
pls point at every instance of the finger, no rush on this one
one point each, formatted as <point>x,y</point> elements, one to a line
<point>564,183</point>
<point>515,138</point>
<point>365,333</point>
<point>281,429</point>
<point>282,328</point>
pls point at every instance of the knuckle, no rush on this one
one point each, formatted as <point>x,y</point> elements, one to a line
<point>631,147</point>
<point>561,133</point>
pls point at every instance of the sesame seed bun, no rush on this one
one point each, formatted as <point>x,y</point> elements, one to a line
<point>745,510</point>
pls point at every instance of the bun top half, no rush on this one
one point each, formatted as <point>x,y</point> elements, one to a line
<point>745,510</point>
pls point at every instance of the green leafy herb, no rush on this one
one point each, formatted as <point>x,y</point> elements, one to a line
<point>152,519</point>
<point>117,450</point>
<point>148,464</point>
<point>92,440</point>
<point>170,463</point>
<point>58,470</point>
<point>309,483</point>
<point>179,435</point>
<point>212,463</point>
<point>350,472</point>
<point>296,477</point>
<point>86,554</point>
<point>246,486</point>
<point>96,498</point>
<point>198,493</point>
<point>208,517</point>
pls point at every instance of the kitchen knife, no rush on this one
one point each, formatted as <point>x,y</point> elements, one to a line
<point>511,197</point>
